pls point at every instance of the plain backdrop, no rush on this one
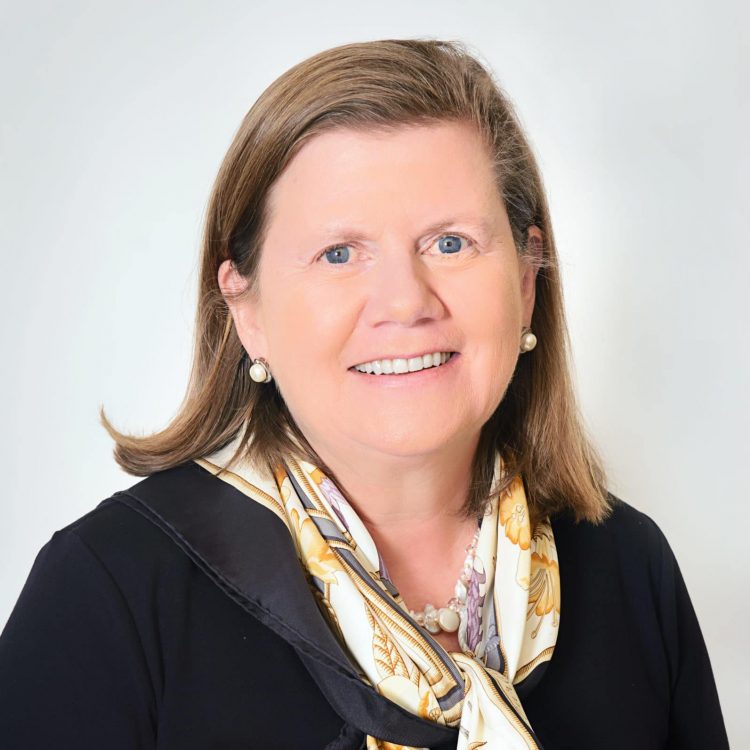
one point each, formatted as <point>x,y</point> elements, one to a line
<point>115,117</point>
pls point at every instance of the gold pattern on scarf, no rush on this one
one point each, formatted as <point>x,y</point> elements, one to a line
<point>516,586</point>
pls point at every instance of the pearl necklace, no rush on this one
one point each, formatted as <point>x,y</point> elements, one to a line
<point>448,618</point>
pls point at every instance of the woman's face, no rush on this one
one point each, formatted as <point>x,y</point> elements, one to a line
<point>382,247</point>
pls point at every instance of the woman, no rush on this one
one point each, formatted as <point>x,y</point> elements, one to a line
<point>376,521</point>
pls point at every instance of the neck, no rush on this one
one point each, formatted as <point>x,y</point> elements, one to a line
<point>409,503</point>
<point>392,491</point>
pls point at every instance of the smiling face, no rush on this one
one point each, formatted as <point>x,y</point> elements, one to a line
<point>384,246</point>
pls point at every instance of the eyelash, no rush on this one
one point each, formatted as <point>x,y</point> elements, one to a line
<point>440,237</point>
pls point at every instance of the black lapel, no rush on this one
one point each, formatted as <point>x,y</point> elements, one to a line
<point>248,553</point>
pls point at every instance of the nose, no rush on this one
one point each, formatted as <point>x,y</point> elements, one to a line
<point>402,290</point>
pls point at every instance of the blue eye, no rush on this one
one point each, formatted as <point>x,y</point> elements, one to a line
<point>450,243</point>
<point>339,254</point>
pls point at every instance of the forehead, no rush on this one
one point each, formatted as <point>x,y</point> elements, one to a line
<point>343,174</point>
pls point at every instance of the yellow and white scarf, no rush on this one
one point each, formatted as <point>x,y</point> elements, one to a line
<point>508,628</point>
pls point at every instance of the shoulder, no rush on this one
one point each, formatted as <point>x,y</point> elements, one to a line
<point>632,524</point>
<point>169,530</point>
<point>619,576</point>
<point>96,599</point>
<point>113,528</point>
<point>117,562</point>
<point>126,546</point>
<point>624,526</point>
<point>627,551</point>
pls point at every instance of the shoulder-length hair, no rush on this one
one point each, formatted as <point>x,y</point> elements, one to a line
<point>379,85</point>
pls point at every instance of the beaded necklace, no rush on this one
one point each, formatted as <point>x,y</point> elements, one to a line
<point>448,618</point>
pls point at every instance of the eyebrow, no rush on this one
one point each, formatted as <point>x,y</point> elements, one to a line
<point>339,230</point>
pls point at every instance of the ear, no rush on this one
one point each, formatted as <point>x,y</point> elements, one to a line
<point>246,312</point>
<point>528,269</point>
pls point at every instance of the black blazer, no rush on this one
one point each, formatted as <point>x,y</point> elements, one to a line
<point>175,615</point>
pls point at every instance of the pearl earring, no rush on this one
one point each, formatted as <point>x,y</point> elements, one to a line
<point>259,371</point>
<point>528,340</point>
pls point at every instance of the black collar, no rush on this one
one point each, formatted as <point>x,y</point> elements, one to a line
<point>248,553</point>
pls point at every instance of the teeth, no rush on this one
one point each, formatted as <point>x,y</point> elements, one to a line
<point>398,366</point>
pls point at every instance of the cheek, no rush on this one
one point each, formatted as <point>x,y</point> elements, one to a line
<point>305,327</point>
<point>492,324</point>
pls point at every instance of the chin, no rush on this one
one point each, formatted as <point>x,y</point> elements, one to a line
<point>408,442</point>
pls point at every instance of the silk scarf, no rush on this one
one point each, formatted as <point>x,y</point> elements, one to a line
<point>507,629</point>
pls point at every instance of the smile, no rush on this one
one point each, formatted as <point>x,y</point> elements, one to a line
<point>400,366</point>
<point>408,370</point>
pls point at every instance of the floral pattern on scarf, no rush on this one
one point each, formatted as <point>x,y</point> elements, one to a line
<point>508,628</point>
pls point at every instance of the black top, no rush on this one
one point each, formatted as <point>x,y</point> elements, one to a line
<point>175,615</point>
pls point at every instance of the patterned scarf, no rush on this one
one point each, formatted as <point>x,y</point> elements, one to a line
<point>508,628</point>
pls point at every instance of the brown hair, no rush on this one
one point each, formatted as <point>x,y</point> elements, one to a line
<point>378,85</point>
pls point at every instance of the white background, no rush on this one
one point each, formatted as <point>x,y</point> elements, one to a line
<point>115,117</point>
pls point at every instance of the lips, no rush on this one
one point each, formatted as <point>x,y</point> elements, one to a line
<point>407,357</point>
<point>406,376</point>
